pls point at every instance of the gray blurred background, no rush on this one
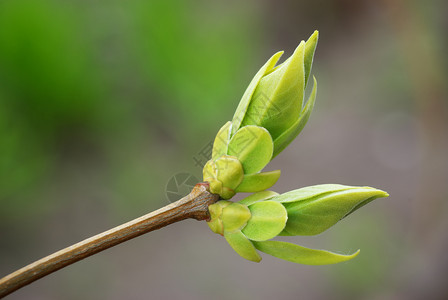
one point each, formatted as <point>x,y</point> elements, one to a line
<point>102,102</point>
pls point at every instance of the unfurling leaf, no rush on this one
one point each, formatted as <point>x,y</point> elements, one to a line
<point>313,210</point>
<point>277,100</point>
<point>247,96</point>
<point>258,182</point>
<point>253,147</point>
<point>281,142</point>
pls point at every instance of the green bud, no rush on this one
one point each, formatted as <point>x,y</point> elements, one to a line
<point>228,218</point>
<point>236,162</point>
<point>224,175</point>
<point>215,222</point>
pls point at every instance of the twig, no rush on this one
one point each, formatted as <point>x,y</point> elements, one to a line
<point>194,205</point>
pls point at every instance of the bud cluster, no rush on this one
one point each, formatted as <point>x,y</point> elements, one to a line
<point>253,222</point>
<point>269,116</point>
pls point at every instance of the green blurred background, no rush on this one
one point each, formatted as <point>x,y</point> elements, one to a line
<point>102,102</point>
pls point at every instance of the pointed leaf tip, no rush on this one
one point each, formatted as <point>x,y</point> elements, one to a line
<point>310,48</point>
<point>301,255</point>
<point>245,248</point>
<point>221,142</point>
<point>277,100</point>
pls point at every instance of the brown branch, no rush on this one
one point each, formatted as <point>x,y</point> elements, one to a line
<point>194,205</point>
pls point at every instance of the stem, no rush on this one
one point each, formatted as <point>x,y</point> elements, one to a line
<point>194,205</point>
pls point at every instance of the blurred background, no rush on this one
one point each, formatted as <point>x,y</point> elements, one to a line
<point>103,102</point>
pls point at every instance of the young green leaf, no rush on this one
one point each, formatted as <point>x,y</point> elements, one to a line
<point>317,214</point>
<point>256,197</point>
<point>222,141</point>
<point>281,142</point>
<point>309,192</point>
<point>298,254</point>
<point>238,241</point>
<point>247,96</point>
<point>268,218</point>
<point>258,182</point>
<point>253,147</point>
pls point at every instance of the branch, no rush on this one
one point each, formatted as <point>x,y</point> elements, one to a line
<point>194,205</point>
